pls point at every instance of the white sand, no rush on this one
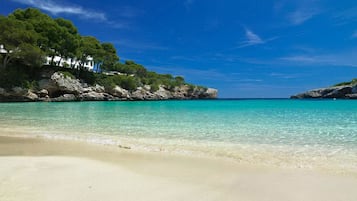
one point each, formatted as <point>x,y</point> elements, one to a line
<point>42,170</point>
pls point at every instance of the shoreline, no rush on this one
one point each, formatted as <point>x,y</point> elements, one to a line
<point>264,156</point>
<point>47,169</point>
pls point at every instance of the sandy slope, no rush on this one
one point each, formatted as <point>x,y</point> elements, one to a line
<point>35,169</point>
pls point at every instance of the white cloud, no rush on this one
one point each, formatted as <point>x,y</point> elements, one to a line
<point>347,58</point>
<point>253,39</point>
<point>57,8</point>
<point>303,58</point>
<point>300,16</point>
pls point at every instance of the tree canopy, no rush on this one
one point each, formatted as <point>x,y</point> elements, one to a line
<point>19,40</point>
<point>29,35</point>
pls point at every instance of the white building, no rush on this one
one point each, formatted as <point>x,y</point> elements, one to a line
<point>89,65</point>
<point>2,49</point>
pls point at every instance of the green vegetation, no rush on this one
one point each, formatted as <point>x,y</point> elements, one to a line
<point>29,36</point>
<point>352,82</point>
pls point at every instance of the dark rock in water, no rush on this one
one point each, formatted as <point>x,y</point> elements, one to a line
<point>339,92</point>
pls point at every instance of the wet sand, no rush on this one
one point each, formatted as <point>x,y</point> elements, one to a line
<point>54,170</point>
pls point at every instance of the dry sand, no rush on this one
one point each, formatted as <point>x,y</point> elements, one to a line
<point>49,170</point>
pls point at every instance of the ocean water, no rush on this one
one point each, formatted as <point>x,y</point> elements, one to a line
<point>290,133</point>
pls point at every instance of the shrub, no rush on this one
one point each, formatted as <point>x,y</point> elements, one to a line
<point>13,77</point>
<point>352,82</point>
<point>31,84</point>
<point>154,87</point>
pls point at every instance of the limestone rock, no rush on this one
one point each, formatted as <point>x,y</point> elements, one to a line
<point>163,94</point>
<point>65,98</point>
<point>98,88</point>
<point>210,93</point>
<point>42,93</point>
<point>143,94</point>
<point>95,96</point>
<point>120,92</point>
<point>330,92</point>
<point>55,86</point>
<point>31,96</point>
<point>60,84</point>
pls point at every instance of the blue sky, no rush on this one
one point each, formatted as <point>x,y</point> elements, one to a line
<point>255,48</point>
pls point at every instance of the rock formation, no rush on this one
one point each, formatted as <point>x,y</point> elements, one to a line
<point>338,92</point>
<point>58,87</point>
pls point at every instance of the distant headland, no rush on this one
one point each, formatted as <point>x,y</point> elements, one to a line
<point>46,59</point>
<point>344,90</point>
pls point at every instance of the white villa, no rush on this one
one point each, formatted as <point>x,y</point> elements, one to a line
<point>62,62</point>
<point>89,65</point>
<point>2,49</point>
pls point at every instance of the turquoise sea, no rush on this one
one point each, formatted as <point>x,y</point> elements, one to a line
<point>291,133</point>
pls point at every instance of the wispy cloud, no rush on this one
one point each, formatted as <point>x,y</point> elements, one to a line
<point>253,39</point>
<point>301,15</point>
<point>304,59</point>
<point>297,12</point>
<point>345,16</point>
<point>348,58</point>
<point>285,75</point>
<point>58,8</point>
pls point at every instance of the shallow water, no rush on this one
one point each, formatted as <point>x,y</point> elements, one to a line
<point>298,133</point>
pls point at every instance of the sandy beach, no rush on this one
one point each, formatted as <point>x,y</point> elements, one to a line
<point>42,169</point>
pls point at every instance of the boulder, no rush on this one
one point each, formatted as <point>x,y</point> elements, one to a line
<point>138,94</point>
<point>163,94</point>
<point>95,96</point>
<point>60,84</point>
<point>65,98</point>
<point>42,93</point>
<point>210,93</point>
<point>98,88</point>
<point>31,96</point>
<point>202,93</point>
<point>120,92</point>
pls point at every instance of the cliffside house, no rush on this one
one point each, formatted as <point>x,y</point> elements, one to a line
<point>2,49</point>
<point>62,62</point>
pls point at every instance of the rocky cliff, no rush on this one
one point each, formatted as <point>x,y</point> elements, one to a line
<point>348,91</point>
<point>58,87</point>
